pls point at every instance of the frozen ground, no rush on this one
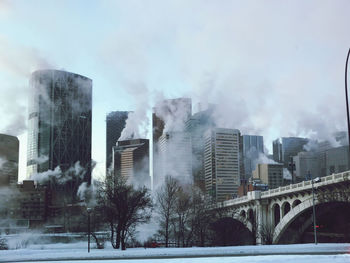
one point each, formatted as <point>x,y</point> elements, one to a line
<point>77,252</point>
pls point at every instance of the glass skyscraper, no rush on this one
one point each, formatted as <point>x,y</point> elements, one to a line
<point>59,125</point>
<point>115,123</point>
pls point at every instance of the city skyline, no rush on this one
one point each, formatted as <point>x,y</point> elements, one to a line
<point>228,54</point>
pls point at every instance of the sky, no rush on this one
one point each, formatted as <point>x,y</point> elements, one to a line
<point>274,68</point>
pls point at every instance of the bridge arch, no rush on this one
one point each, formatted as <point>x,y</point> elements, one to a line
<point>276,214</point>
<point>285,208</point>
<point>297,211</point>
<point>295,203</point>
<point>229,231</point>
<point>242,214</point>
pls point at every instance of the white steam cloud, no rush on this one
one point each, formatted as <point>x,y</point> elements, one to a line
<point>77,171</point>
<point>136,125</point>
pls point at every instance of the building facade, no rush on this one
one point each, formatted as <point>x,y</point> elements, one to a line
<point>175,157</point>
<point>59,128</point>
<point>253,146</point>
<point>23,206</point>
<point>9,154</point>
<point>222,163</point>
<point>115,123</point>
<point>270,174</point>
<point>168,116</point>
<point>131,161</point>
<point>196,126</point>
<point>306,165</point>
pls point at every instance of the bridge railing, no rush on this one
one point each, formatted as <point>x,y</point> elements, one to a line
<point>254,195</point>
<point>307,184</point>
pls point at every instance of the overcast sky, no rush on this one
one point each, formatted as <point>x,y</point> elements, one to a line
<point>275,68</point>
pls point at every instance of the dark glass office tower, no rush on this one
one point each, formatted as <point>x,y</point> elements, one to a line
<point>115,123</point>
<point>59,132</point>
<point>9,149</point>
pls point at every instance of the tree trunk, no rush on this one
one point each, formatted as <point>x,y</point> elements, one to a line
<point>118,238</point>
<point>112,236</point>
<point>166,232</point>
<point>122,239</point>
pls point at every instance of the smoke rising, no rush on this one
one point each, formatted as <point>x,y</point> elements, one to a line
<point>60,177</point>
<point>136,125</point>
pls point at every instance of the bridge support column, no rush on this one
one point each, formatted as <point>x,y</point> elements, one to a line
<point>261,218</point>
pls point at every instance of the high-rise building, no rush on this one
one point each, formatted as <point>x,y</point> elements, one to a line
<point>270,174</point>
<point>277,151</point>
<point>59,127</point>
<point>222,163</point>
<point>337,160</point>
<point>196,126</point>
<point>115,123</point>
<point>174,157</point>
<point>131,161</point>
<point>289,147</point>
<point>9,149</point>
<point>253,145</point>
<point>168,116</point>
<point>306,165</point>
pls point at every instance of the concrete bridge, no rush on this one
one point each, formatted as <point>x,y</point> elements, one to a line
<point>274,211</point>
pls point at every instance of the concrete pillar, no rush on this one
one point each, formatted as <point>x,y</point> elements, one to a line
<point>262,217</point>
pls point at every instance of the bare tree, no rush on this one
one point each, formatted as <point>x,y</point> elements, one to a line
<point>266,232</point>
<point>182,211</point>
<point>124,207</point>
<point>200,217</point>
<point>166,204</point>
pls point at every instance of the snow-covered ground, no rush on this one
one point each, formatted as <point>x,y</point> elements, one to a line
<point>321,253</point>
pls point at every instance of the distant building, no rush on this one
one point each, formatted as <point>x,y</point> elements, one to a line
<point>337,160</point>
<point>115,123</point>
<point>168,116</point>
<point>59,129</point>
<point>26,206</point>
<point>131,160</point>
<point>306,165</point>
<point>277,151</point>
<point>9,149</point>
<point>288,148</point>
<point>253,145</point>
<point>175,156</point>
<point>196,126</point>
<point>270,174</point>
<point>222,163</point>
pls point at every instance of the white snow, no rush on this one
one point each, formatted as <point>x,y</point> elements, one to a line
<point>75,251</point>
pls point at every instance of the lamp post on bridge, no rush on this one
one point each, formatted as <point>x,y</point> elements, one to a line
<point>316,180</point>
<point>347,104</point>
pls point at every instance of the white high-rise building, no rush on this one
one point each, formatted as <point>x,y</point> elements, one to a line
<point>222,163</point>
<point>174,149</point>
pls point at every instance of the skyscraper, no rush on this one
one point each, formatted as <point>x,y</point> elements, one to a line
<point>9,149</point>
<point>131,160</point>
<point>59,132</point>
<point>115,123</point>
<point>253,145</point>
<point>174,157</point>
<point>291,146</point>
<point>286,148</point>
<point>196,126</point>
<point>168,116</point>
<point>222,163</point>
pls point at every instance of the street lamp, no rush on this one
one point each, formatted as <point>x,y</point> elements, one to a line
<point>316,180</point>
<point>347,102</point>
<point>88,212</point>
